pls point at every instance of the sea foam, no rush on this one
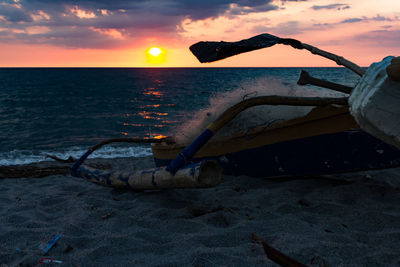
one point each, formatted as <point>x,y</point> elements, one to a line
<point>19,157</point>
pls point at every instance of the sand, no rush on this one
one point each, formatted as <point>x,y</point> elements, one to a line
<point>337,220</point>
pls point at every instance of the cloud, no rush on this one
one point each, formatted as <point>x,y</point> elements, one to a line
<point>351,20</point>
<point>13,13</point>
<point>380,38</point>
<point>331,6</point>
<point>376,18</point>
<point>380,18</point>
<point>243,10</point>
<point>110,23</point>
<point>289,28</point>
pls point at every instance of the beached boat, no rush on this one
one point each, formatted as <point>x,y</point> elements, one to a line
<point>337,135</point>
<point>326,140</point>
<point>329,139</point>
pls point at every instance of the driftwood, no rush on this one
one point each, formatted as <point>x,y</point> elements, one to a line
<point>212,51</point>
<point>275,255</point>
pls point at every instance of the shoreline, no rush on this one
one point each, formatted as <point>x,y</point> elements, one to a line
<point>342,219</point>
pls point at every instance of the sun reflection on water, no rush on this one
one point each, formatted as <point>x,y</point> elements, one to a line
<point>150,111</point>
<point>153,92</point>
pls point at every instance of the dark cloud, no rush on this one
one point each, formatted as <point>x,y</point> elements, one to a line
<point>331,6</point>
<point>351,20</point>
<point>242,10</point>
<point>73,22</point>
<point>13,14</point>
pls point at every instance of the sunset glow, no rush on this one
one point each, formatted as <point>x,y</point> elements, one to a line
<point>100,34</point>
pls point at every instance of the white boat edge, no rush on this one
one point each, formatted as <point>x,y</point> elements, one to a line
<point>375,103</point>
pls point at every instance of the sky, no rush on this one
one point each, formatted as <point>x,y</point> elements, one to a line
<point>119,33</point>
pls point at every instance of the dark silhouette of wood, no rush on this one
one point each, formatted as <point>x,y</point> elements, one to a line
<point>213,51</point>
<point>305,78</point>
<point>275,255</point>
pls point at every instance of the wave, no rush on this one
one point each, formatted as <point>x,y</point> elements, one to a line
<point>18,157</point>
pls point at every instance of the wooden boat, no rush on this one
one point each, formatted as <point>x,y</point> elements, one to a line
<point>335,136</point>
<point>326,140</point>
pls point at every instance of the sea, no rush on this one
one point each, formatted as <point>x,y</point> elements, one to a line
<point>64,111</point>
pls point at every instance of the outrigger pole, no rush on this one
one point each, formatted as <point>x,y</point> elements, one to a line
<point>213,51</point>
<point>187,154</point>
<point>199,175</point>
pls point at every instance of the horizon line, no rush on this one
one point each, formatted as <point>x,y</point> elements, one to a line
<point>151,67</point>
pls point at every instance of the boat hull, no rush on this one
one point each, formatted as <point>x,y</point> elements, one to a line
<point>326,140</point>
<point>323,154</point>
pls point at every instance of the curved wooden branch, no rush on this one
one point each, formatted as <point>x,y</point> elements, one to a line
<point>341,61</point>
<point>213,51</point>
<point>233,111</point>
<point>187,154</point>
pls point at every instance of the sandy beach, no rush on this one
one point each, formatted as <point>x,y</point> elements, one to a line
<point>337,220</point>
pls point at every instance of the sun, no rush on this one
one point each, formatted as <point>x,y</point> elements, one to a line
<point>155,51</point>
<point>156,55</point>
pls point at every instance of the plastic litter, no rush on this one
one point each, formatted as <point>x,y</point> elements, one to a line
<point>49,260</point>
<point>48,244</point>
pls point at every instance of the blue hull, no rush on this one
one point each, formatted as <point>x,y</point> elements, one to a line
<point>323,154</point>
